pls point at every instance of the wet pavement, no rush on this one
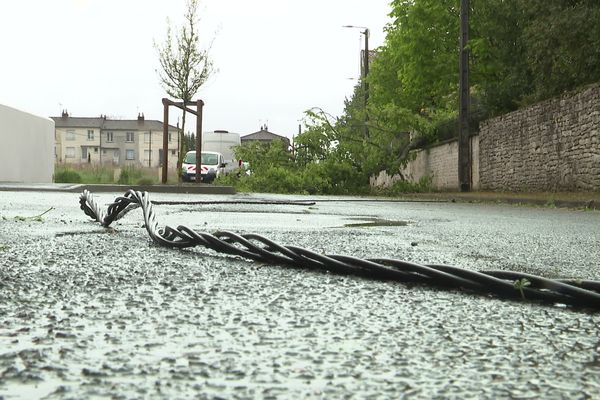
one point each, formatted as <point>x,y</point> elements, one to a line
<point>87,312</point>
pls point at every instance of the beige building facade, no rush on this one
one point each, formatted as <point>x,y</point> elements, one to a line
<point>80,140</point>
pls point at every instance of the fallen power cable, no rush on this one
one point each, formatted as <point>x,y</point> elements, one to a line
<point>503,284</point>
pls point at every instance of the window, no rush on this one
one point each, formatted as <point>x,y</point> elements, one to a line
<point>70,153</point>
<point>129,136</point>
<point>170,136</point>
<point>70,135</point>
<point>129,154</point>
<point>172,152</point>
<point>109,136</point>
<point>95,149</point>
<point>84,152</point>
<point>147,137</point>
<point>90,134</point>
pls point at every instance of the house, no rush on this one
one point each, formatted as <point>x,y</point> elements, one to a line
<point>264,136</point>
<point>101,140</point>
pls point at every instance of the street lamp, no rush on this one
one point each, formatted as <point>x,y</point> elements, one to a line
<point>365,69</point>
<point>365,58</point>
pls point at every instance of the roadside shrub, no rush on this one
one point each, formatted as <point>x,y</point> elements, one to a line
<point>146,181</point>
<point>66,175</point>
<point>130,175</point>
<point>236,178</point>
<point>275,180</point>
<point>313,178</point>
<point>97,174</point>
<point>403,187</point>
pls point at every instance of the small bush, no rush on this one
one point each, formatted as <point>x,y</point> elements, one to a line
<point>403,187</point>
<point>130,175</point>
<point>146,181</point>
<point>66,175</point>
<point>97,174</point>
<point>313,178</point>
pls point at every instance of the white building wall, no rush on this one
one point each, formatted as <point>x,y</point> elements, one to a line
<point>27,150</point>
<point>439,162</point>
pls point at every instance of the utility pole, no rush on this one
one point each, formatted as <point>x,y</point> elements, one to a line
<point>199,109</point>
<point>150,150</point>
<point>464,142</point>
<point>100,147</point>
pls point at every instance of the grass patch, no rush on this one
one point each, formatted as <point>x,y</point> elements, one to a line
<point>104,174</point>
<point>399,188</point>
<point>66,175</point>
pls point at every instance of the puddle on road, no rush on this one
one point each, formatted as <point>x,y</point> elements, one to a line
<point>374,222</point>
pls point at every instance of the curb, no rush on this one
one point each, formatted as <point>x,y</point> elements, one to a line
<point>78,188</point>
<point>588,203</point>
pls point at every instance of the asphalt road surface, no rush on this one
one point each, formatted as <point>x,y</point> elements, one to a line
<point>88,312</point>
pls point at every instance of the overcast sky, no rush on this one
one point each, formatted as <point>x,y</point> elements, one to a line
<point>275,58</point>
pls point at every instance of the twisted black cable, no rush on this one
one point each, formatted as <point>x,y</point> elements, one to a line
<point>503,284</point>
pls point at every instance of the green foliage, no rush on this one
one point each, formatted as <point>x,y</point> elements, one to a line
<point>146,181</point>
<point>101,174</point>
<point>521,284</point>
<point>83,174</point>
<point>399,188</point>
<point>562,41</point>
<point>275,170</point>
<point>132,175</point>
<point>66,175</point>
<point>521,51</point>
<point>97,174</point>
<point>185,67</point>
<point>500,77</point>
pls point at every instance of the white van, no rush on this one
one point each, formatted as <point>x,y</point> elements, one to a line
<point>213,165</point>
<point>223,142</point>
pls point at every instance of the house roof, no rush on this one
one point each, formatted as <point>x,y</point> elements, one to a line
<point>263,135</point>
<point>109,124</point>
<point>132,124</point>
<point>77,122</point>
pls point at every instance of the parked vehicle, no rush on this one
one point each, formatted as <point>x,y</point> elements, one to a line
<point>223,142</point>
<point>213,165</point>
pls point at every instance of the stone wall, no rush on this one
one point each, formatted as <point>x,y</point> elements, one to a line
<point>551,146</point>
<point>27,149</point>
<point>439,162</point>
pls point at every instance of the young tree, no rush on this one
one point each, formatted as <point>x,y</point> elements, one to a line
<point>184,65</point>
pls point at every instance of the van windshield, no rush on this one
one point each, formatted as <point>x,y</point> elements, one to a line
<point>207,159</point>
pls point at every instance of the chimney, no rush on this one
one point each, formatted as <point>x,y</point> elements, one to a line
<point>141,117</point>
<point>65,114</point>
